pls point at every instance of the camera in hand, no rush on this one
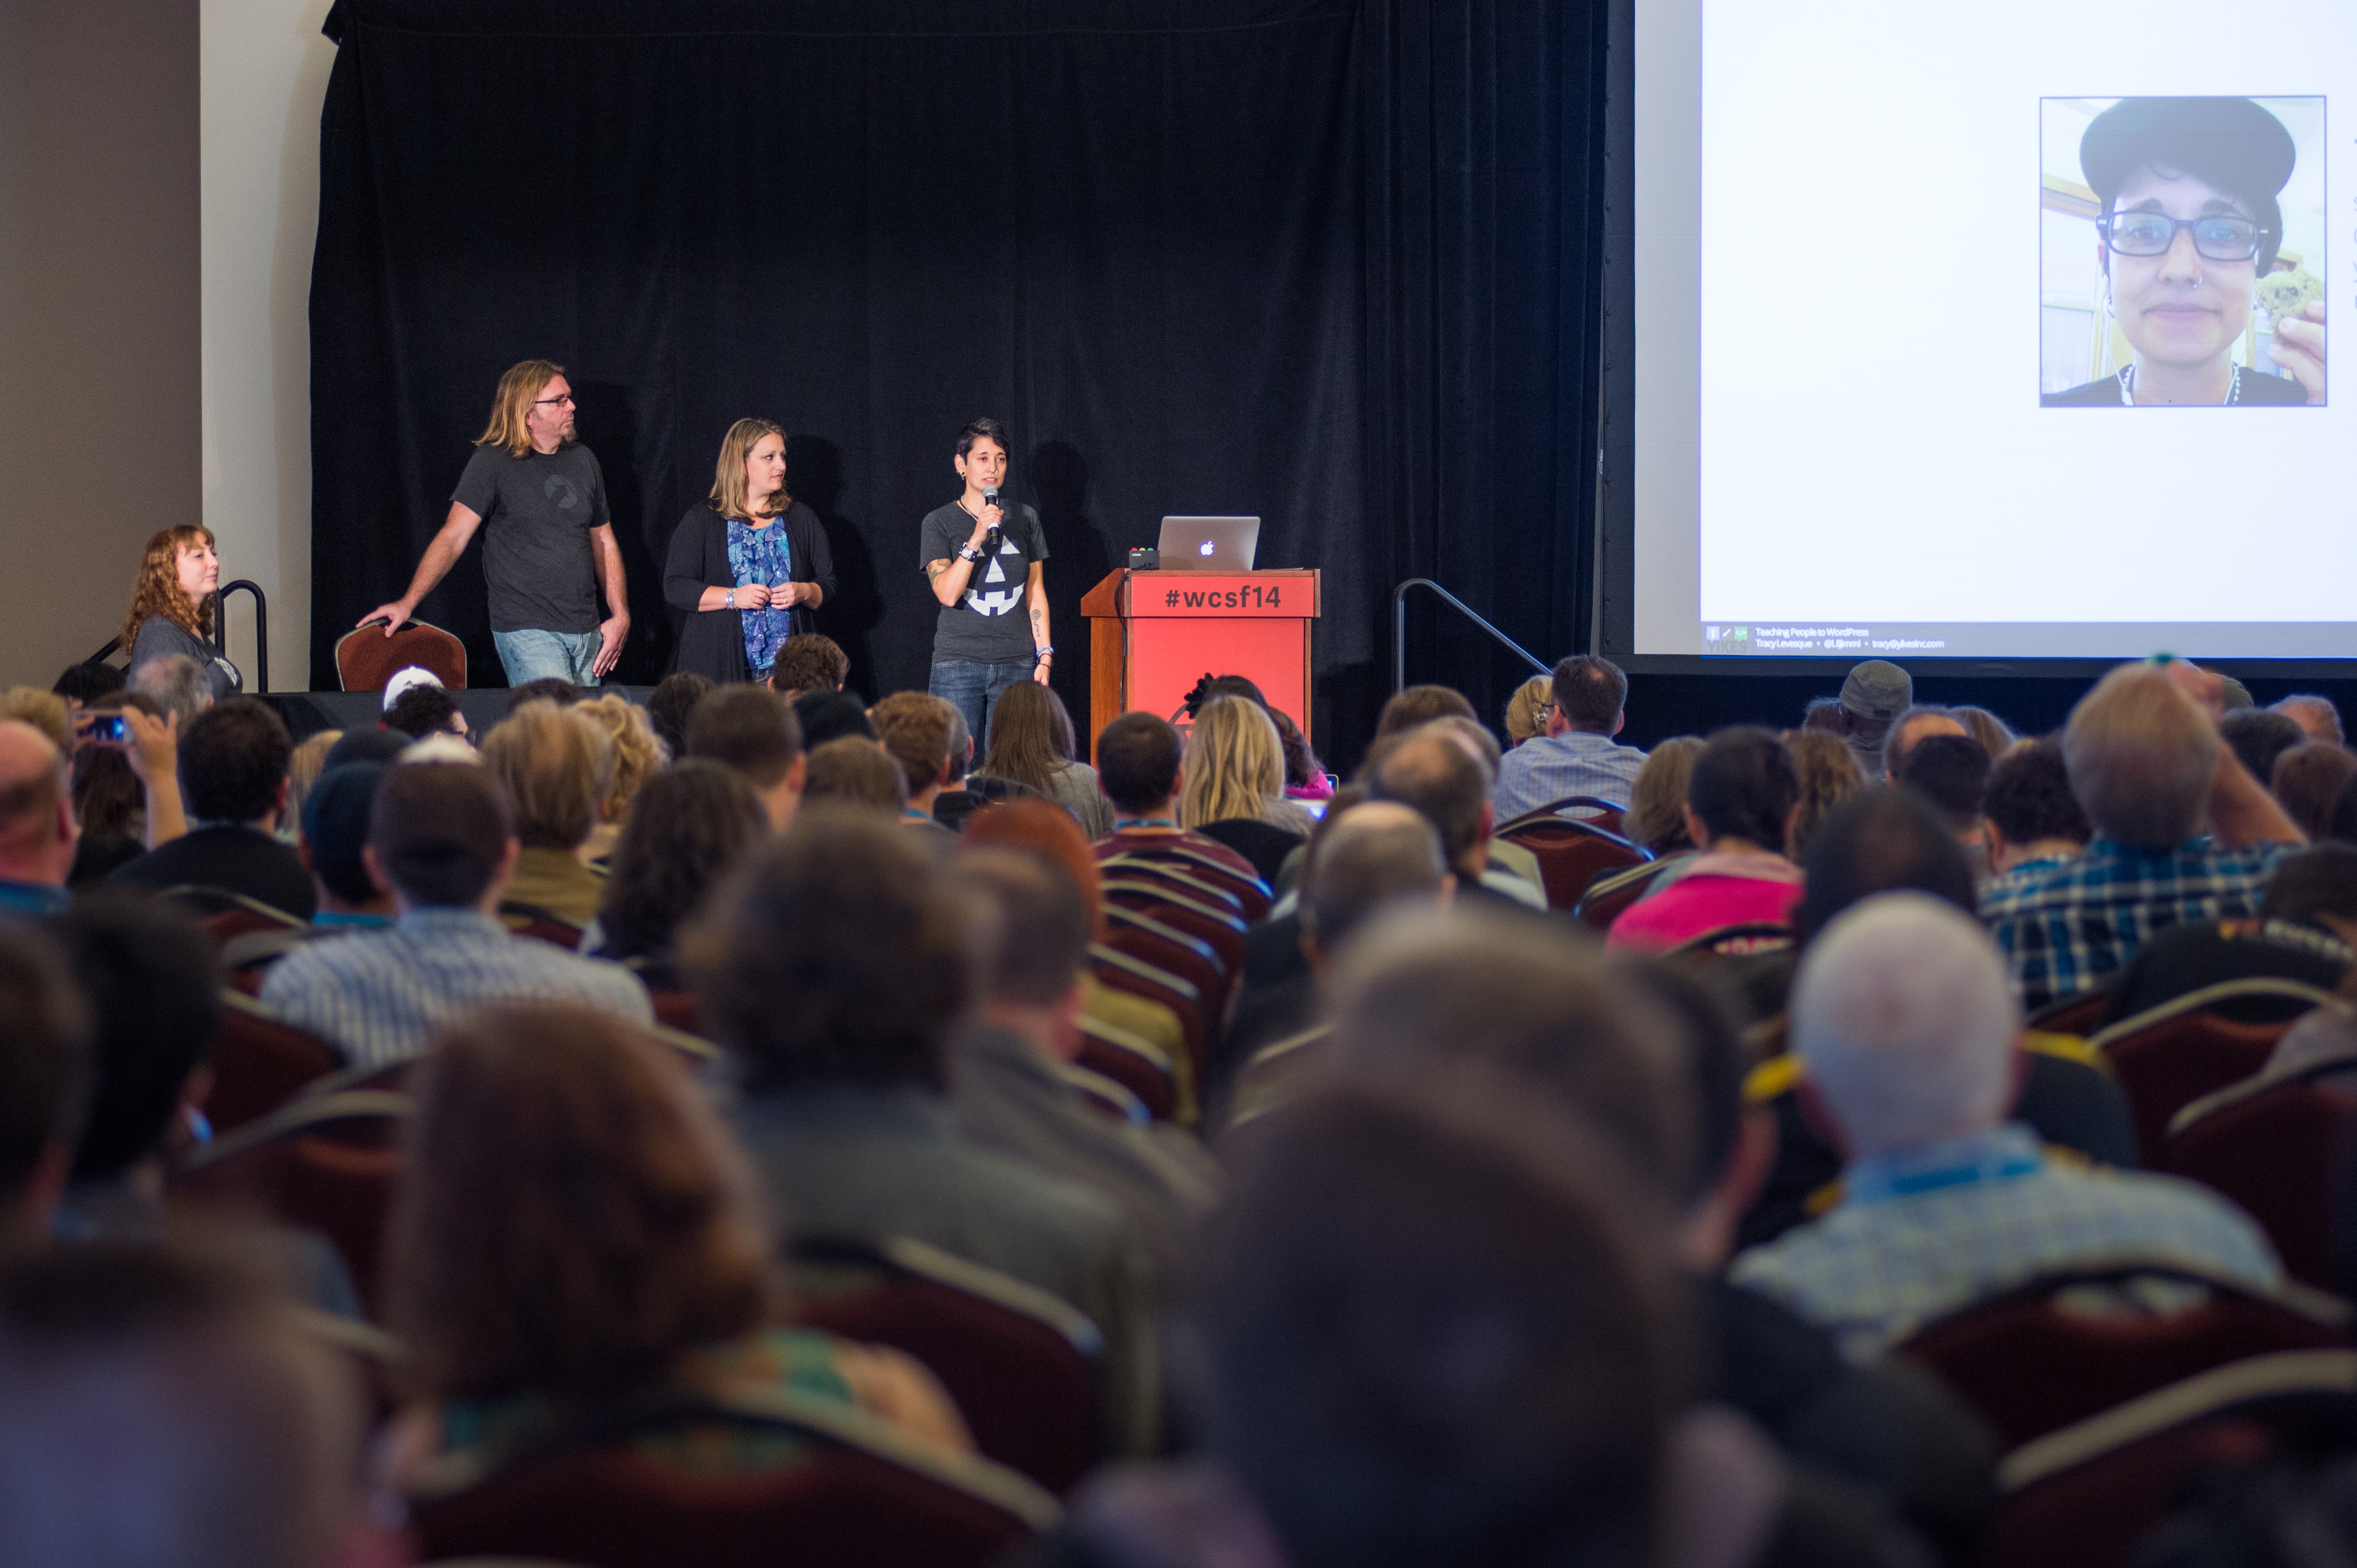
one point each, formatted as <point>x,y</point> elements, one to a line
<point>108,726</point>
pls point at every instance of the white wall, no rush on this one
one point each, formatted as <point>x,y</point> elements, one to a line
<point>264,74</point>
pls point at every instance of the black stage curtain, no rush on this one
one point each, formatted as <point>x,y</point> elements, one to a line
<point>1326,261</point>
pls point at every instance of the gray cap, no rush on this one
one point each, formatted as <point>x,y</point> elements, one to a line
<point>1877,689</point>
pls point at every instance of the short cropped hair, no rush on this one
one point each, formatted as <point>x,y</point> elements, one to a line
<point>1589,692</point>
<point>1879,841</point>
<point>1952,771</point>
<point>548,760</point>
<point>547,689</point>
<point>1896,745</point>
<point>233,759</point>
<point>983,429</point>
<point>439,831</point>
<point>2258,737</point>
<point>1040,929</point>
<point>2028,796</point>
<point>855,771</point>
<point>840,955</point>
<point>750,728</point>
<point>1365,861</point>
<point>1412,706</point>
<point>1137,761</point>
<point>809,661</point>
<point>2141,756</point>
<point>421,711</point>
<point>670,705</point>
<point>1744,786</point>
<point>1433,773</point>
<point>178,683</point>
<point>2321,879</point>
<point>2307,782</point>
<point>153,982</point>
<point>915,729</point>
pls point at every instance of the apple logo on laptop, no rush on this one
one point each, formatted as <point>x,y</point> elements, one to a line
<point>1204,548</point>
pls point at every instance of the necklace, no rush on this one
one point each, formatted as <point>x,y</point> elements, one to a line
<point>2127,387</point>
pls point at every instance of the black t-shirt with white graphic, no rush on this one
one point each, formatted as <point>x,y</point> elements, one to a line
<point>988,623</point>
<point>537,511</point>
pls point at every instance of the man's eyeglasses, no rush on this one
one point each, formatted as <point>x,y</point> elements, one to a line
<point>545,402</point>
<point>2220,238</point>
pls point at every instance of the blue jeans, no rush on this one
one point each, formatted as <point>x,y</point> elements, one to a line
<point>972,687</point>
<point>538,655</point>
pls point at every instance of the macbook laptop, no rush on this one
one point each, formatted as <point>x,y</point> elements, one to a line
<point>1208,543</point>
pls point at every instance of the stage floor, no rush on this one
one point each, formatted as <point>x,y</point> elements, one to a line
<point>308,712</point>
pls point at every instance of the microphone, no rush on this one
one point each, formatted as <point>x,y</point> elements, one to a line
<point>990,499</point>
<point>990,496</point>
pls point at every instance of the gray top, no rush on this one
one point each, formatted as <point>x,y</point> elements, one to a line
<point>987,623</point>
<point>1074,787</point>
<point>159,638</point>
<point>538,510</point>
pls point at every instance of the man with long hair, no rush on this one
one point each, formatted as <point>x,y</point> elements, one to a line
<point>549,547</point>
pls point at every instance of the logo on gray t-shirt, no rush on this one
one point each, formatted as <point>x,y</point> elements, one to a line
<point>560,491</point>
<point>1000,588</point>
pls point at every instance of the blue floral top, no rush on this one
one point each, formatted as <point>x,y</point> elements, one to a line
<point>762,556</point>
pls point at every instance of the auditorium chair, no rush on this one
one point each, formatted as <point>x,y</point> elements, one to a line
<point>324,1162</point>
<point>1608,893</point>
<point>861,1496</point>
<point>1190,957</point>
<point>2089,1495</point>
<point>2082,1015</point>
<point>1223,931</point>
<point>541,925</point>
<point>1571,854</point>
<point>1595,813</point>
<point>2069,1345</point>
<point>1102,1095</point>
<point>1186,884</point>
<point>2166,1057</point>
<point>2275,1145</point>
<point>366,660</point>
<point>1137,1065</point>
<point>259,1062</point>
<point>1249,889</point>
<point>1740,940</point>
<point>224,914</point>
<point>1118,970</point>
<point>1023,1366</point>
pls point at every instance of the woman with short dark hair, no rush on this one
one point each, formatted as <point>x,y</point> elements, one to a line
<point>691,822</point>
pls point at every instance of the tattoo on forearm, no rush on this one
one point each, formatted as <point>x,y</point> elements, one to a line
<point>936,569</point>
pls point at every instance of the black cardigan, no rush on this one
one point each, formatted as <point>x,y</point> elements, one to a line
<point>712,642</point>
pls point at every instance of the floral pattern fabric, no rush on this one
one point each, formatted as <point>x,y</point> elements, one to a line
<point>762,556</point>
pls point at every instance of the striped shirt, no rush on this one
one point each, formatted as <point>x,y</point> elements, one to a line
<point>1928,1231</point>
<point>2068,926</point>
<point>1550,767</point>
<point>382,994</point>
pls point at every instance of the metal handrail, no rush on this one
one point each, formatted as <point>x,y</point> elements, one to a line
<point>261,627</point>
<point>1399,629</point>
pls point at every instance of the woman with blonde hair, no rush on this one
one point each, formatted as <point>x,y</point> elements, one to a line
<point>638,755</point>
<point>1232,787</point>
<point>172,609</point>
<point>748,564</point>
<point>1031,742</point>
<point>1526,710</point>
<point>555,768</point>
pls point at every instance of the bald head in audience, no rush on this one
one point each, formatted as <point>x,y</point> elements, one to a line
<point>1917,722</point>
<point>2317,715</point>
<point>1432,771</point>
<point>38,830</point>
<point>1371,857</point>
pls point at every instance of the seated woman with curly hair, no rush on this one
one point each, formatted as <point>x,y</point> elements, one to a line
<point>693,822</point>
<point>575,1232</point>
<point>171,606</point>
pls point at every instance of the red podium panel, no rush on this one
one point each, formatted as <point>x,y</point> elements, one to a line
<point>1152,635</point>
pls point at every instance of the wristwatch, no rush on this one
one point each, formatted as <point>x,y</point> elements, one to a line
<point>968,552</point>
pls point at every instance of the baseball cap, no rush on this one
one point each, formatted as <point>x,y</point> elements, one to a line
<point>1877,689</point>
<point>335,826</point>
<point>2232,143</point>
<point>405,679</point>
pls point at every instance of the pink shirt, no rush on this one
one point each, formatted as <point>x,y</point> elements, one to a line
<point>1717,890</point>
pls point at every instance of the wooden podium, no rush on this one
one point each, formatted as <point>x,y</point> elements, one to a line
<point>1152,635</point>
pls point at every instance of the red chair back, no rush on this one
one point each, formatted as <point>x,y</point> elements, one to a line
<point>1184,883</point>
<point>1249,889</point>
<point>677,1010</point>
<point>259,1063</point>
<point>2274,1149</point>
<point>2167,1058</point>
<point>2031,1364</point>
<point>2082,1015</point>
<point>532,921</point>
<point>324,1162</point>
<point>1135,1064</point>
<point>1570,854</point>
<point>1595,813</point>
<point>1190,957</point>
<point>1609,892</point>
<point>1223,931</point>
<point>1120,971</point>
<point>1103,1096</point>
<point>367,659</point>
<point>223,924</point>
<point>1022,1365</point>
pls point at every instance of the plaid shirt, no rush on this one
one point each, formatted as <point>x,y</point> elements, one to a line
<point>2068,926</point>
<point>1549,768</point>
<point>1928,1231</point>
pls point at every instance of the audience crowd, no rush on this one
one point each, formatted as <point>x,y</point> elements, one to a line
<point>589,1129</point>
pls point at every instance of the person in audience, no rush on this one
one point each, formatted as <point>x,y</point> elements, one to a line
<point>575,1230</point>
<point>1873,694</point>
<point>45,711</point>
<point>1431,771</point>
<point>1305,778</point>
<point>2316,715</point>
<point>918,730</point>
<point>556,768</point>
<point>1526,710</point>
<point>834,968</point>
<point>1578,755</point>
<point>2304,929</point>
<point>1370,858</point>
<point>1234,789</point>
<point>856,771</point>
<point>39,834</point>
<point>1411,708</point>
<point>1920,721</point>
<point>1139,767</point>
<point>696,820</point>
<point>748,564</point>
<point>1825,714</point>
<point>1826,768</point>
<point>169,1409</point>
<point>177,683</point>
<point>2307,782</point>
<point>88,682</point>
<point>1740,805</point>
<point>809,662</point>
<point>1903,1014</point>
<point>2258,737</point>
<point>672,704</point>
<point>829,715</point>
<point>1952,771</point>
<point>1996,736</point>
<point>441,844</point>
<point>755,732</point>
<point>109,793</point>
<point>304,766</point>
<point>637,755</point>
<point>45,1071</point>
<point>172,609</point>
<point>335,832</point>
<point>424,710</point>
<point>1464,1231</point>
<point>1656,820</point>
<point>1504,856</point>
<point>2146,764</point>
<point>366,745</point>
<point>232,769</point>
<point>1005,1083</point>
<point>545,689</point>
<point>1031,742</point>
<point>2030,814</point>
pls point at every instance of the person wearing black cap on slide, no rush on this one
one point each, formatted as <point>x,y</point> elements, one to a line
<point>2190,224</point>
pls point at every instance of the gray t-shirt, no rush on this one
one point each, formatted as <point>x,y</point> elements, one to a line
<point>988,623</point>
<point>537,511</point>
